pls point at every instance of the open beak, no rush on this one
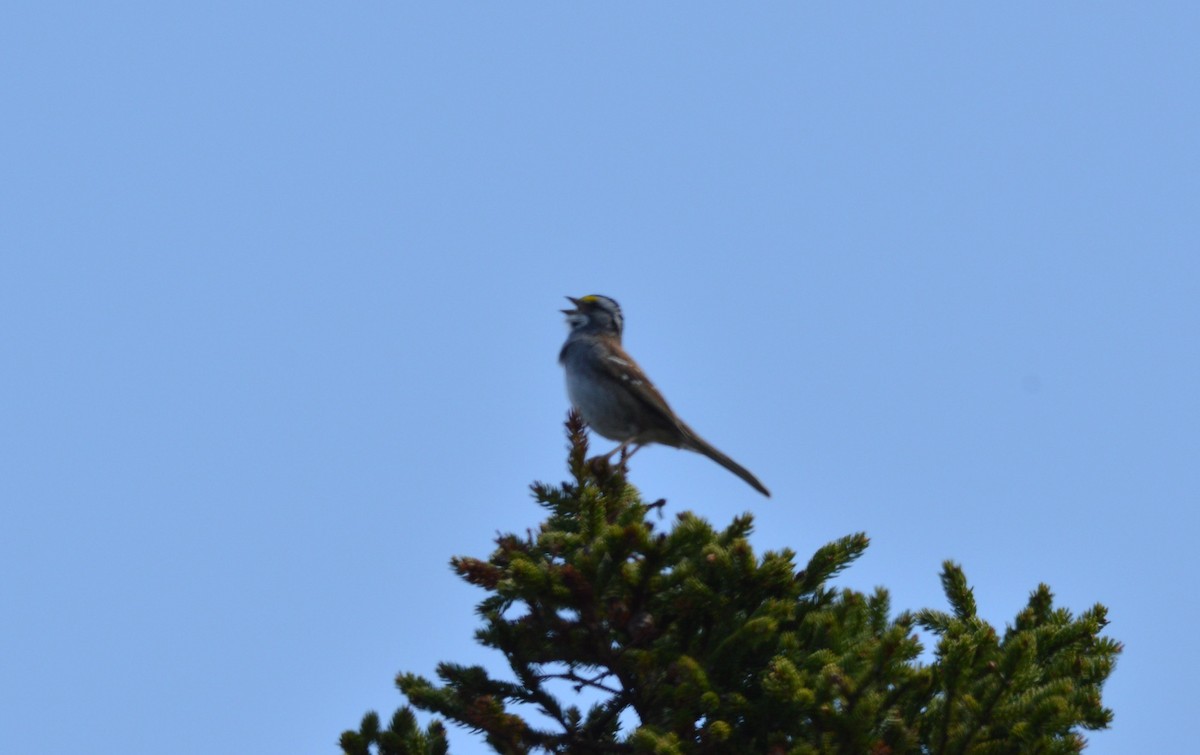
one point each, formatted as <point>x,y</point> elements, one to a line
<point>574,301</point>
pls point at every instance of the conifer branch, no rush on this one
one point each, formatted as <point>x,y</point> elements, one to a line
<point>711,648</point>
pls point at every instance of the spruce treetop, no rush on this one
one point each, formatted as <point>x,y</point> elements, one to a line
<point>683,640</point>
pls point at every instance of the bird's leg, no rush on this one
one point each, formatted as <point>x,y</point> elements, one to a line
<point>626,453</point>
<point>636,447</point>
<point>620,447</point>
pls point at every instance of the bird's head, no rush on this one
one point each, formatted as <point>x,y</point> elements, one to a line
<point>595,314</point>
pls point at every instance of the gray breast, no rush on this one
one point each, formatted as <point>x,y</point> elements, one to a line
<point>607,407</point>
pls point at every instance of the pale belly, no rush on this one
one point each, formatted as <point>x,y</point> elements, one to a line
<point>607,413</point>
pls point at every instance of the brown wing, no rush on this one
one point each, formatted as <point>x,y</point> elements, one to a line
<point>620,366</point>
<point>671,430</point>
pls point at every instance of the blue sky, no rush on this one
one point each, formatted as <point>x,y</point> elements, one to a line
<point>280,287</point>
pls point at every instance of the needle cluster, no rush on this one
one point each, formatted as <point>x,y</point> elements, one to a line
<point>621,636</point>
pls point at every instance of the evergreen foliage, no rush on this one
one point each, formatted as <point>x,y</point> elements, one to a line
<point>689,643</point>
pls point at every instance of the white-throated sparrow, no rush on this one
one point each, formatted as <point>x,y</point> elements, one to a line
<point>613,394</point>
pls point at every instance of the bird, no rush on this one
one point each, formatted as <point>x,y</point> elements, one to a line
<point>613,394</point>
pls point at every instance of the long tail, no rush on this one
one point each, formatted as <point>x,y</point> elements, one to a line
<point>700,445</point>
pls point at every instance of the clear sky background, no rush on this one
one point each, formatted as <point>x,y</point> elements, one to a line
<point>279,293</point>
